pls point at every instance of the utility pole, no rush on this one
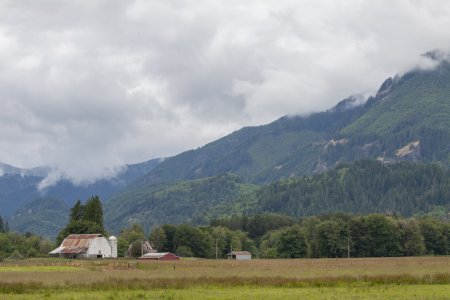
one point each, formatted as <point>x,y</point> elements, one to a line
<point>348,247</point>
<point>216,246</point>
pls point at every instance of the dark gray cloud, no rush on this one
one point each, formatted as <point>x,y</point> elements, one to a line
<point>87,86</point>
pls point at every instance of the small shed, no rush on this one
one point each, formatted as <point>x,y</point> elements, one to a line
<point>240,255</point>
<point>159,256</point>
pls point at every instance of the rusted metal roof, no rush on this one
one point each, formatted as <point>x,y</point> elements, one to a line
<point>77,243</point>
<point>73,250</point>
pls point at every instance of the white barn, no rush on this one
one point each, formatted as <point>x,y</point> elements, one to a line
<point>87,246</point>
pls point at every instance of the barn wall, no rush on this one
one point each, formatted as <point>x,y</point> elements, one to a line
<point>99,246</point>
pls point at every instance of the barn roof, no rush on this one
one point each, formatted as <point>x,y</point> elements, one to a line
<point>75,243</point>
<point>84,236</point>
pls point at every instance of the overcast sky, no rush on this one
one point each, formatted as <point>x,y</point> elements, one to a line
<point>87,86</point>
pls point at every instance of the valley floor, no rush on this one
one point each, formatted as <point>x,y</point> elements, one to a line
<point>365,278</point>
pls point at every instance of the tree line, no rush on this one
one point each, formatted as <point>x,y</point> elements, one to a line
<point>277,236</point>
<point>373,235</point>
<point>15,245</point>
<point>265,235</point>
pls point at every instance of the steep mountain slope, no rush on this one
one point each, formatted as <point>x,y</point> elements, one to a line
<point>287,146</point>
<point>19,186</point>
<point>408,119</point>
<point>416,100</point>
<point>188,201</point>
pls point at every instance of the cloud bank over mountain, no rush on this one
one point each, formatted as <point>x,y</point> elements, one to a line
<point>87,86</point>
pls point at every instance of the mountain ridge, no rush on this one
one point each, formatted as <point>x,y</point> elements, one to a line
<point>259,154</point>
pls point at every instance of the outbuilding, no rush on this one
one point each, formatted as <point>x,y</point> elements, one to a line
<point>159,256</point>
<point>145,248</point>
<point>87,246</point>
<point>240,255</point>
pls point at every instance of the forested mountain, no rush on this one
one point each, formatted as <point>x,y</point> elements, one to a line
<point>408,119</point>
<point>18,187</point>
<point>188,201</point>
<point>366,186</point>
<point>43,216</point>
<point>362,187</point>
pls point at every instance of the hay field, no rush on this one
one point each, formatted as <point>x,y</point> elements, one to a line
<point>362,278</point>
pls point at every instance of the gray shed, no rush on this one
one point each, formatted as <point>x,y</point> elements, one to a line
<point>240,255</point>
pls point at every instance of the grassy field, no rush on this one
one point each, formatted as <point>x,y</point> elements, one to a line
<point>370,278</point>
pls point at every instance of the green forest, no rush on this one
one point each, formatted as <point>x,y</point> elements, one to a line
<point>15,245</point>
<point>328,236</point>
<point>365,186</point>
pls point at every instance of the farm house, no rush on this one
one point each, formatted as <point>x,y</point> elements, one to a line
<point>87,246</point>
<point>159,256</point>
<point>240,255</point>
<point>145,248</point>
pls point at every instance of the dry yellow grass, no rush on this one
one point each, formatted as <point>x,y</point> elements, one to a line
<point>90,271</point>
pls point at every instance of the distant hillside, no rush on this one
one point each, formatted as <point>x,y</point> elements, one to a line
<point>188,201</point>
<point>362,187</point>
<point>366,186</point>
<point>19,186</point>
<point>408,119</point>
<point>45,217</point>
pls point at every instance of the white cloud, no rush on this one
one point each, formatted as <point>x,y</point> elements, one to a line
<point>86,86</point>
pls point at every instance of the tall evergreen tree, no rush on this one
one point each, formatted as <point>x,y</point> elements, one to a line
<point>76,212</point>
<point>93,211</point>
<point>87,218</point>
